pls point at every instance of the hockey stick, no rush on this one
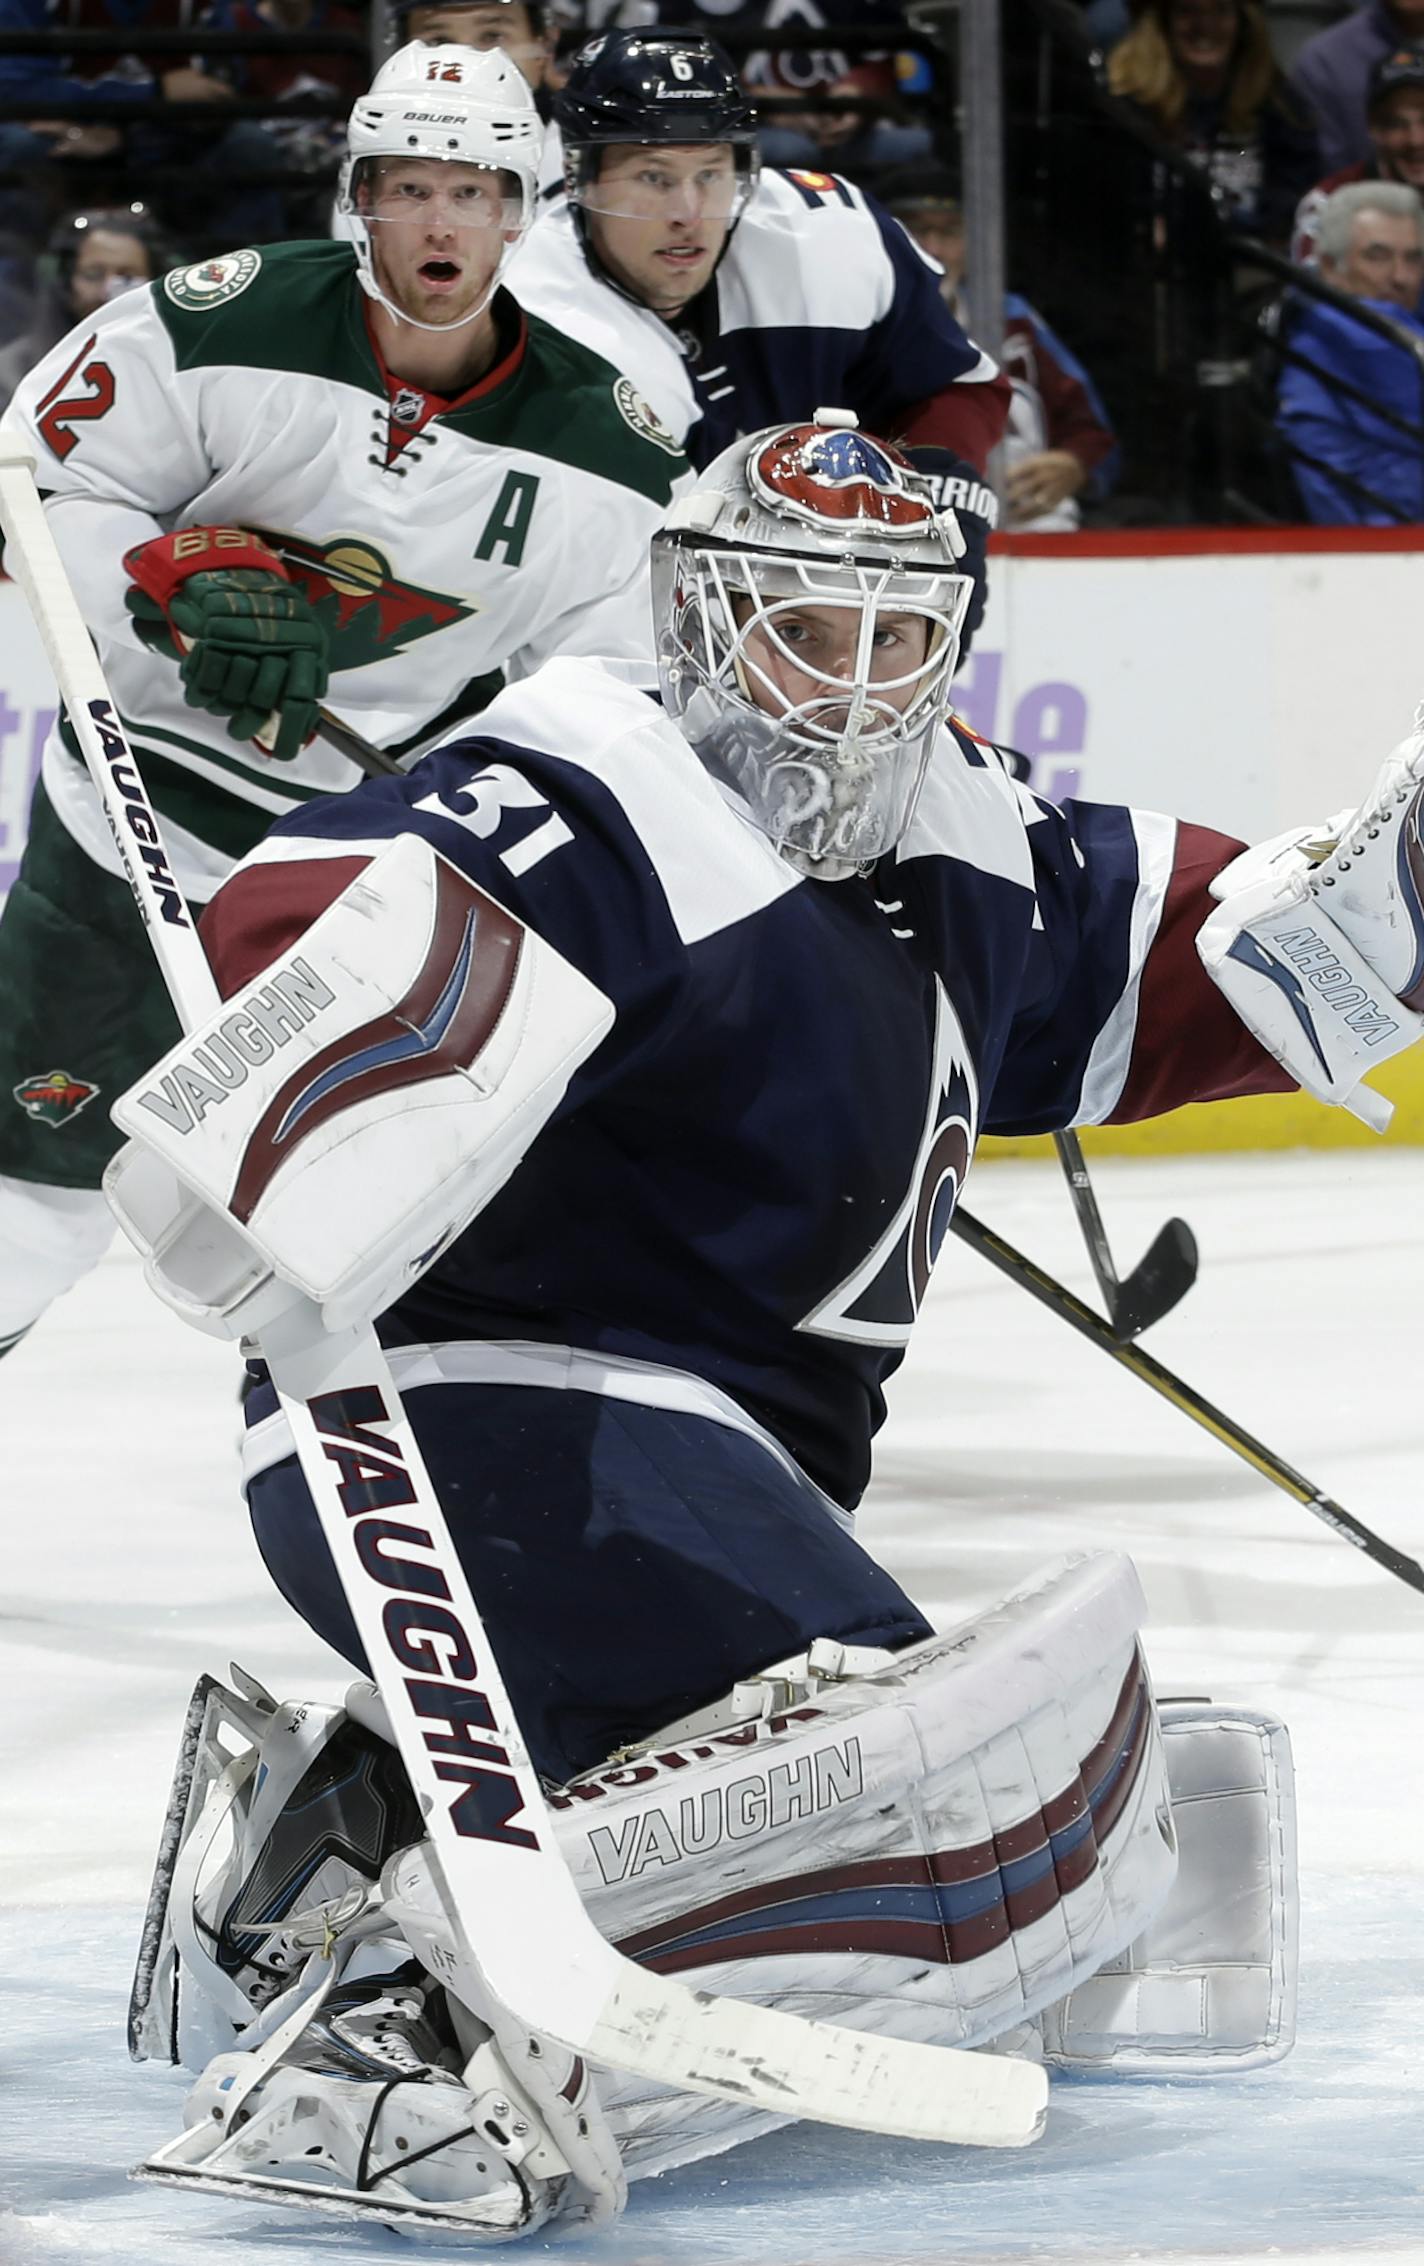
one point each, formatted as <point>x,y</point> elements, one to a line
<point>374,761</point>
<point>1071,1310</point>
<point>494,1851</point>
<point>1161,1277</point>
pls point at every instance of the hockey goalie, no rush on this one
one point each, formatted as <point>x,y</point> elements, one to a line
<point>627,1059</point>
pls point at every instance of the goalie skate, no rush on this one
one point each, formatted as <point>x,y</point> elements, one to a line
<point>278,1821</point>
<point>355,2107</point>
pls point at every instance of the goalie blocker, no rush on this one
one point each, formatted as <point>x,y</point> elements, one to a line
<point>974,1840</point>
<point>324,1134</point>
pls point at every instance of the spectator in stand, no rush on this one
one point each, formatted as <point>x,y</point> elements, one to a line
<point>303,144</point>
<point>221,164</point>
<point>851,142</point>
<point>1203,76</point>
<point>91,258</point>
<point>1396,120</point>
<point>1353,419</point>
<point>521,28</point>
<point>1059,447</point>
<point>1332,75</point>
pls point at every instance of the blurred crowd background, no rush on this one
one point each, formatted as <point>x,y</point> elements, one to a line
<point>1209,210</point>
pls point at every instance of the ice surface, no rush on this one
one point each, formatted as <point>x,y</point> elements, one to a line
<point>130,1570</point>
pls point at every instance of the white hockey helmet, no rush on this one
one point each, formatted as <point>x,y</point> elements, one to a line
<point>802,517</point>
<point>459,105</point>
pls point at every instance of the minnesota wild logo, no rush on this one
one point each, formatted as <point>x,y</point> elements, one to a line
<point>54,1097</point>
<point>368,613</point>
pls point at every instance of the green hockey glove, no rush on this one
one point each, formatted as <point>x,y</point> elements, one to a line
<point>248,643</point>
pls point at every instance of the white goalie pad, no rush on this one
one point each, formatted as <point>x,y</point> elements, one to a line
<point>920,1848</point>
<point>1210,1988</point>
<point>341,1118</point>
<point>931,1845</point>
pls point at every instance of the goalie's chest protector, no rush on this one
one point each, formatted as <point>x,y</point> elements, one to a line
<point>751,1177</point>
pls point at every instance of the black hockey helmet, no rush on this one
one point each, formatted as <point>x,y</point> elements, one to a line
<point>676,88</point>
<point>653,86</point>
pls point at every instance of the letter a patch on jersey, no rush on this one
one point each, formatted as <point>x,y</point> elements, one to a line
<point>877,1304</point>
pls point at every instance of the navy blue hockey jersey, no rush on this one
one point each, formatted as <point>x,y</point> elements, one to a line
<point>821,301</point>
<point>748,1180</point>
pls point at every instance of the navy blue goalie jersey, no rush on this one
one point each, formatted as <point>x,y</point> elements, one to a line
<point>747,1182</point>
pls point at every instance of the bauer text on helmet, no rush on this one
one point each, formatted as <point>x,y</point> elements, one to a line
<point>442,173</point>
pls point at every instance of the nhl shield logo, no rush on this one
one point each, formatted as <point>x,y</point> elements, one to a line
<point>54,1098</point>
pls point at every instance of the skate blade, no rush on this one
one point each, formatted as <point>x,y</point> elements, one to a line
<point>494,2217</point>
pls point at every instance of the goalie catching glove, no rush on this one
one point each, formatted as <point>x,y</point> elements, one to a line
<point>1319,940</point>
<point>249,646</point>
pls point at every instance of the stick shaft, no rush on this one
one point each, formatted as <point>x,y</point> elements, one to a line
<point>33,559</point>
<point>1060,1301</point>
<point>1090,1219</point>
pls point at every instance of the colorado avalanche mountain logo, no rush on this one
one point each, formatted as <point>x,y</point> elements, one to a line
<point>839,476</point>
<point>877,1304</point>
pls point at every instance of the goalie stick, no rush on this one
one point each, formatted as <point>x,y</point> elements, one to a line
<point>1161,1278</point>
<point>1060,1301</point>
<point>495,1854</point>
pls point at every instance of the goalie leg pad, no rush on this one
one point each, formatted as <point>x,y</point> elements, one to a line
<point>1210,1988</point>
<point>920,1849</point>
<point>932,1844</point>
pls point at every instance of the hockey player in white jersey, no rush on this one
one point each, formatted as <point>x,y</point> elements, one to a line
<point>318,471</point>
<point>683,1022</point>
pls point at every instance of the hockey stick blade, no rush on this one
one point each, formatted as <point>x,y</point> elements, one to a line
<point>1159,1281</point>
<point>750,2054</point>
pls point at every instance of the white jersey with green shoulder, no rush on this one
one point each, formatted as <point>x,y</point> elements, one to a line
<point>447,550</point>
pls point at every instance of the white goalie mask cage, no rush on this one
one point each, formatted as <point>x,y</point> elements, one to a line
<point>828,748</point>
<point>454,105</point>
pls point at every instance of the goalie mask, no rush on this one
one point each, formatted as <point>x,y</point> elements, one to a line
<point>809,606</point>
<point>456,106</point>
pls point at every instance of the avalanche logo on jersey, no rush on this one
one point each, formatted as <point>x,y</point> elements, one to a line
<point>819,475</point>
<point>877,1304</point>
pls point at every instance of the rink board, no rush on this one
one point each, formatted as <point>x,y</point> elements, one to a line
<point>1249,679</point>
